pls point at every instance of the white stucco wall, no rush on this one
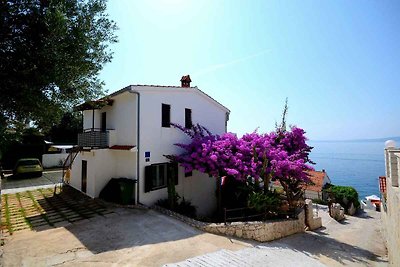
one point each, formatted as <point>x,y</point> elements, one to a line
<point>391,215</point>
<point>102,165</point>
<point>121,117</point>
<point>312,194</point>
<point>200,189</point>
<point>159,141</point>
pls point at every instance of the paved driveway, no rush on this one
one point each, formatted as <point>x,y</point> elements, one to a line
<point>132,237</point>
<point>11,185</point>
<point>43,209</point>
<point>128,237</point>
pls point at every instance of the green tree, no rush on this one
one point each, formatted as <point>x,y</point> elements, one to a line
<point>67,130</point>
<point>51,52</point>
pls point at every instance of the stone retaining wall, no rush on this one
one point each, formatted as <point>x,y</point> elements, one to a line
<point>261,231</point>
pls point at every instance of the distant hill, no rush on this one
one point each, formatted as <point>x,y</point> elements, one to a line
<point>384,139</point>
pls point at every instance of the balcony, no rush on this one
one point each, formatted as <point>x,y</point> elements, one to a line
<point>96,138</point>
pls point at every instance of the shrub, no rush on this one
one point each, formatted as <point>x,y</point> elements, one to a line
<point>186,208</point>
<point>264,202</point>
<point>320,201</point>
<point>345,195</point>
<point>183,207</point>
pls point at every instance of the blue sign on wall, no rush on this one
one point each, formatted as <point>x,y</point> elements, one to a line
<point>147,154</point>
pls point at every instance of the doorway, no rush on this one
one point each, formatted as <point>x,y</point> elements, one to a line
<point>84,176</point>
<point>103,124</point>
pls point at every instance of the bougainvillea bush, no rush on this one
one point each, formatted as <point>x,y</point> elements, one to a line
<point>281,155</point>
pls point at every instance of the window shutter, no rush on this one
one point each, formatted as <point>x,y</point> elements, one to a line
<point>188,118</point>
<point>165,115</point>
<point>148,178</point>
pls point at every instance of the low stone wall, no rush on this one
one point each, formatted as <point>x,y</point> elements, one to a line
<point>311,222</point>
<point>260,231</point>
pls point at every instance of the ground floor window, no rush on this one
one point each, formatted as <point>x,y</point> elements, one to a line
<point>157,175</point>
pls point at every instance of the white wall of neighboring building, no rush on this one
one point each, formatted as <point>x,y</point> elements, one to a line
<point>312,194</point>
<point>53,160</point>
<point>391,213</point>
<point>159,141</point>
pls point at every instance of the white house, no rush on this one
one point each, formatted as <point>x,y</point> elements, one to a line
<point>319,179</point>
<point>130,129</point>
<point>314,190</point>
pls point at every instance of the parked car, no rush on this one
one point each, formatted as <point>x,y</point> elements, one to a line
<point>28,167</point>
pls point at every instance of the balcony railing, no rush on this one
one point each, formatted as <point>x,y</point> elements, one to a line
<point>94,138</point>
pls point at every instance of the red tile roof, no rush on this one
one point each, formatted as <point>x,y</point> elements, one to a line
<point>117,147</point>
<point>317,178</point>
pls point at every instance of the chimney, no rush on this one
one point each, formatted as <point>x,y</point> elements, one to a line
<point>185,81</point>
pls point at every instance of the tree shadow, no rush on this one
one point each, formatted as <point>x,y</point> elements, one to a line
<point>131,228</point>
<point>319,244</point>
<point>362,214</point>
<point>101,227</point>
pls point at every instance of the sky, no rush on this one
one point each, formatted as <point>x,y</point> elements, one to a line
<point>337,62</point>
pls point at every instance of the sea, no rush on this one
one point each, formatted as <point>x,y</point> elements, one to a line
<point>352,163</point>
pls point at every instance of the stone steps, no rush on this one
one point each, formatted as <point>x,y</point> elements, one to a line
<point>257,256</point>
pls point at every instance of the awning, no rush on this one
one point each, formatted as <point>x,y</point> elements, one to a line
<point>62,146</point>
<point>96,104</point>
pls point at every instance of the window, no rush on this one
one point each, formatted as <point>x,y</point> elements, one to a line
<point>165,115</point>
<point>188,118</point>
<point>157,175</point>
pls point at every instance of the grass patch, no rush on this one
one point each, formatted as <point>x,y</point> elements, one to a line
<point>7,215</point>
<point>22,211</point>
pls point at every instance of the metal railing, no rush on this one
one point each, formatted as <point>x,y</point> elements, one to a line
<point>94,138</point>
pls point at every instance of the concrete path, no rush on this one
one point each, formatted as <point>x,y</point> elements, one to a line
<point>49,179</point>
<point>128,237</point>
<point>356,241</point>
<point>132,237</point>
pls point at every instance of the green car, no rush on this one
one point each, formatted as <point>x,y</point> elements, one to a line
<point>28,167</point>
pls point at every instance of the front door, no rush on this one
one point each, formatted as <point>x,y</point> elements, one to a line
<point>103,121</point>
<point>84,176</point>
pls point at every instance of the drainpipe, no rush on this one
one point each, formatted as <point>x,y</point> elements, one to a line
<point>92,120</point>
<point>137,144</point>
